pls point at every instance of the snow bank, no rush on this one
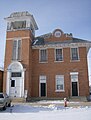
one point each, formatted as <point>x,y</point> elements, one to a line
<point>49,112</point>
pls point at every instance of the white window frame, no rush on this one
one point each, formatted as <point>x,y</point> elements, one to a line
<point>40,56</point>
<point>55,55</point>
<point>61,78</point>
<point>77,53</point>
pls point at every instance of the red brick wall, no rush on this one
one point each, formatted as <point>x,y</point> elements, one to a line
<point>52,68</point>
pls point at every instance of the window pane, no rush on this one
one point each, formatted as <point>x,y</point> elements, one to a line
<point>74,52</point>
<point>59,55</point>
<point>14,50</point>
<point>18,24</point>
<point>16,55</point>
<point>59,82</point>
<point>43,55</point>
<point>16,74</point>
<point>74,78</point>
<point>60,87</point>
<point>42,77</point>
<point>12,83</point>
<point>19,50</point>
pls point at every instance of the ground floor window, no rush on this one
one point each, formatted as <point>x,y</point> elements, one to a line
<point>12,83</point>
<point>59,82</point>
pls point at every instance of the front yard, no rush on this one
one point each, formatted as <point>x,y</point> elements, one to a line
<point>47,110</point>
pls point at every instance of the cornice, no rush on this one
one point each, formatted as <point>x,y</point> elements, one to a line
<point>63,45</point>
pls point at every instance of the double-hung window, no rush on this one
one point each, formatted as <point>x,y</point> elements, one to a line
<point>58,55</point>
<point>43,55</point>
<point>16,55</point>
<point>59,82</point>
<point>74,54</point>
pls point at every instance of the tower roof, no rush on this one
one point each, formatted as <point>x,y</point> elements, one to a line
<point>25,15</point>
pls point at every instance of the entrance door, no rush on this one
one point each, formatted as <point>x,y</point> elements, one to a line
<point>74,89</point>
<point>43,89</point>
<point>15,88</point>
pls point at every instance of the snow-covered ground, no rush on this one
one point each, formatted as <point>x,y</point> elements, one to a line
<point>46,110</point>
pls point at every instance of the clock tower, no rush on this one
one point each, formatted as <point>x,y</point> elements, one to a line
<point>20,33</point>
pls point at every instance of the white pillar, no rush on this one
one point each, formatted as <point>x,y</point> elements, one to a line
<point>8,82</point>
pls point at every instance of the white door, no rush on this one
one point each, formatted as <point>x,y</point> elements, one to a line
<point>15,87</point>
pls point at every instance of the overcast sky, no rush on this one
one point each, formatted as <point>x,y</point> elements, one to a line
<point>72,16</point>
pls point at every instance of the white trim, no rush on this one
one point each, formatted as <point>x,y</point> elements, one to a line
<point>64,45</point>
<point>8,82</point>
<point>74,73</point>
<point>20,38</point>
<point>59,90</point>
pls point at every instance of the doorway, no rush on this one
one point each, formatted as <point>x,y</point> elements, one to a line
<point>74,89</point>
<point>43,89</point>
<point>15,80</point>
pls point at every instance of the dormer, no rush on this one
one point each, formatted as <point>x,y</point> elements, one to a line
<point>21,21</point>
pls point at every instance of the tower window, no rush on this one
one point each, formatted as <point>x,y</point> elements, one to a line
<point>18,24</point>
<point>16,50</point>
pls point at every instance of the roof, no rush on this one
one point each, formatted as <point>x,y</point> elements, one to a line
<point>25,15</point>
<point>42,41</point>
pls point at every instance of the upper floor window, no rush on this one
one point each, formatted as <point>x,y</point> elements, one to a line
<point>74,54</point>
<point>59,82</point>
<point>43,55</point>
<point>59,55</point>
<point>16,55</point>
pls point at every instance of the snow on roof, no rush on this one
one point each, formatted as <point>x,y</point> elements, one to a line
<point>1,69</point>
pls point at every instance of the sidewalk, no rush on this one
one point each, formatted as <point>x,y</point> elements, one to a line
<point>58,103</point>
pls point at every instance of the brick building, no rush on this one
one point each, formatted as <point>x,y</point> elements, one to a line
<point>1,79</point>
<point>53,65</point>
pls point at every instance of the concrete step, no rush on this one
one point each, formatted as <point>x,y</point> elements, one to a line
<point>78,98</point>
<point>15,99</point>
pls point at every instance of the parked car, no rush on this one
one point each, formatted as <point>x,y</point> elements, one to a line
<point>5,101</point>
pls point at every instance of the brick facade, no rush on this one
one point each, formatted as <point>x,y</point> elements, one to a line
<point>34,69</point>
